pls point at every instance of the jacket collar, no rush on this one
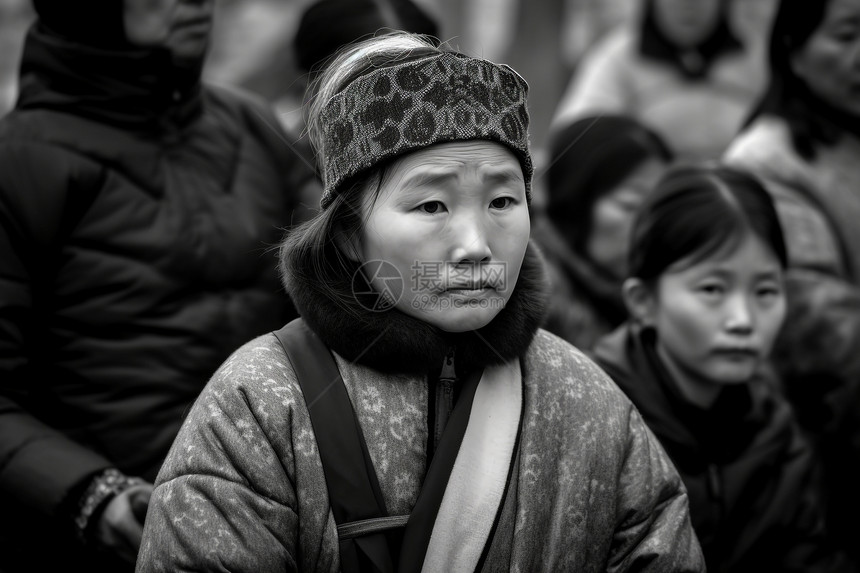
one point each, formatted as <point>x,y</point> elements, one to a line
<point>139,90</point>
<point>395,342</point>
<point>717,434</point>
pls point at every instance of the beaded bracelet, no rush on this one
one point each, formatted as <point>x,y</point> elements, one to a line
<point>102,489</point>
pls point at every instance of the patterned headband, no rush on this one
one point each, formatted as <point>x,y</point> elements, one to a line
<point>394,110</point>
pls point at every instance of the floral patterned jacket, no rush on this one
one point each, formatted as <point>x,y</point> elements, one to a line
<point>243,488</point>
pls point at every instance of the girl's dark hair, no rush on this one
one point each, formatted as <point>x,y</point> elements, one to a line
<point>810,120</point>
<point>590,157</point>
<point>697,211</point>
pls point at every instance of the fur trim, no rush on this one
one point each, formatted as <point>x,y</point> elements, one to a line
<point>392,341</point>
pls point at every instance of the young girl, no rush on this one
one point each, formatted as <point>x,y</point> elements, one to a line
<point>706,298</point>
<point>415,418</point>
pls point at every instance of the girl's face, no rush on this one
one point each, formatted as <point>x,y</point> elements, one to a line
<point>687,23</point>
<point>829,61</point>
<point>450,223</point>
<point>612,218</point>
<point>717,319</point>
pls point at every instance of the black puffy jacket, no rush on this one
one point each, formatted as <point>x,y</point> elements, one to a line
<point>138,211</point>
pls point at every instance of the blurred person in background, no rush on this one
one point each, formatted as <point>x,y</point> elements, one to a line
<point>586,21</point>
<point>15,18</point>
<point>679,67</point>
<point>602,168</point>
<point>706,298</point>
<point>137,210</point>
<point>327,25</point>
<point>803,141</point>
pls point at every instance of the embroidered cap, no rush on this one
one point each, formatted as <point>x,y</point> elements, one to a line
<point>446,97</point>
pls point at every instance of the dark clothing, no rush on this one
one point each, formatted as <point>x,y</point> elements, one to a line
<point>585,303</point>
<point>137,210</point>
<point>816,354</point>
<point>752,478</point>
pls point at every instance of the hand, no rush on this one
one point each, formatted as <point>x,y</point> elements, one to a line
<point>120,525</point>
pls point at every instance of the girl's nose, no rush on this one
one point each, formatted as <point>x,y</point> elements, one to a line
<point>738,314</point>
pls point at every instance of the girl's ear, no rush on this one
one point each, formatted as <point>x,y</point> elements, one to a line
<point>639,300</point>
<point>348,244</point>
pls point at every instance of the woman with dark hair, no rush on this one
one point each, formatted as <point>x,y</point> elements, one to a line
<point>803,141</point>
<point>603,167</point>
<point>416,418</point>
<point>680,68</point>
<point>706,298</point>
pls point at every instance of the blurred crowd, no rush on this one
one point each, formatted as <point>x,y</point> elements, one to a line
<point>251,44</point>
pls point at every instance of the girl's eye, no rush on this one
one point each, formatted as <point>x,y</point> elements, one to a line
<point>501,202</point>
<point>431,207</point>
<point>768,292</point>
<point>711,290</point>
<point>845,35</point>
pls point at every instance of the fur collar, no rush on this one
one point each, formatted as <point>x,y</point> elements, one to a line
<point>395,342</point>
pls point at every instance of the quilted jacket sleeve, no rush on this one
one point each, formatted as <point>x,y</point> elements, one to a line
<point>653,531</point>
<point>41,187</point>
<point>225,498</point>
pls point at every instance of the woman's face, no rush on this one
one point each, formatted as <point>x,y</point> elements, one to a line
<point>450,223</point>
<point>717,319</point>
<point>182,26</point>
<point>686,23</point>
<point>829,61</point>
<point>612,218</point>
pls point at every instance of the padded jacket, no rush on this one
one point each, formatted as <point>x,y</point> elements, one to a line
<point>590,490</point>
<point>138,209</point>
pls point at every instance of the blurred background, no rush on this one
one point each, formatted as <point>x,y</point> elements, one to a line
<point>541,39</point>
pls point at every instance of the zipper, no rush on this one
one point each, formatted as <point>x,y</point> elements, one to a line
<point>716,493</point>
<point>715,486</point>
<point>444,396</point>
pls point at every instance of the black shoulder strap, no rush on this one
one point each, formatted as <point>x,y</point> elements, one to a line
<point>367,534</point>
